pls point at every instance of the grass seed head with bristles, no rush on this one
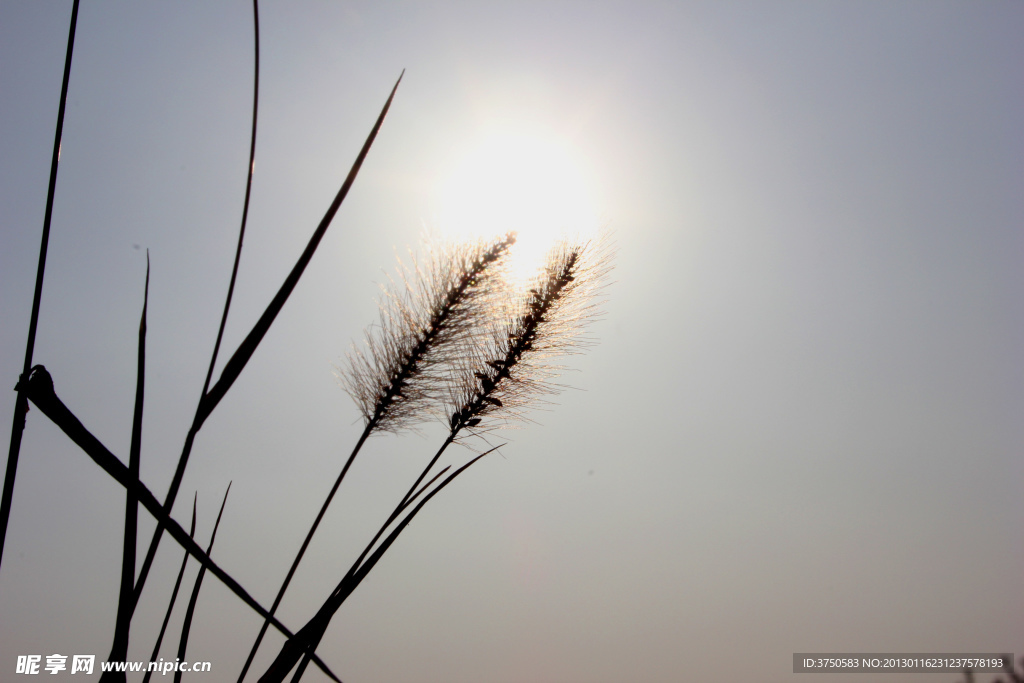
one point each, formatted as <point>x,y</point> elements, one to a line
<point>425,319</point>
<point>515,365</point>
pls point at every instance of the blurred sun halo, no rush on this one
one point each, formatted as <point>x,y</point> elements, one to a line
<point>525,183</point>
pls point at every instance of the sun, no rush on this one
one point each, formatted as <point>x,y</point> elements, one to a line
<point>523,182</point>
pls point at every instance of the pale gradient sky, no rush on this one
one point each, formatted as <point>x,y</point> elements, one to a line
<point>801,429</point>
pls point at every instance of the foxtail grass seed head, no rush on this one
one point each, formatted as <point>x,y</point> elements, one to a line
<point>426,317</point>
<point>514,367</point>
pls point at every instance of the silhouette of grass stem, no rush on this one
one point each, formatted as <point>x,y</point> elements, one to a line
<point>21,403</point>
<point>514,365</point>
<point>420,331</point>
<point>453,338</point>
<point>126,598</point>
<point>174,595</point>
<point>186,626</point>
<point>234,366</point>
<point>304,642</point>
<point>41,393</point>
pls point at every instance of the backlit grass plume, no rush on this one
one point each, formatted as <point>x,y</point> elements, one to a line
<point>499,361</point>
<point>514,367</point>
<point>425,320</point>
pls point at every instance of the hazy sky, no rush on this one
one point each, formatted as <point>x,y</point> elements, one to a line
<point>800,429</point>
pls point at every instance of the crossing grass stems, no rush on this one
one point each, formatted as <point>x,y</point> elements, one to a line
<point>457,340</point>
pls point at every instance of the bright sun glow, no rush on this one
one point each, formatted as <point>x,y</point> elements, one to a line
<point>522,183</point>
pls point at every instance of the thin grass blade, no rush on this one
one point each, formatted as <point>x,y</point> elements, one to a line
<point>21,403</point>
<point>174,595</point>
<point>126,599</point>
<point>248,192</point>
<point>375,557</point>
<point>187,625</point>
<point>186,449</point>
<point>196,422</point>
<point>234,366</point>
